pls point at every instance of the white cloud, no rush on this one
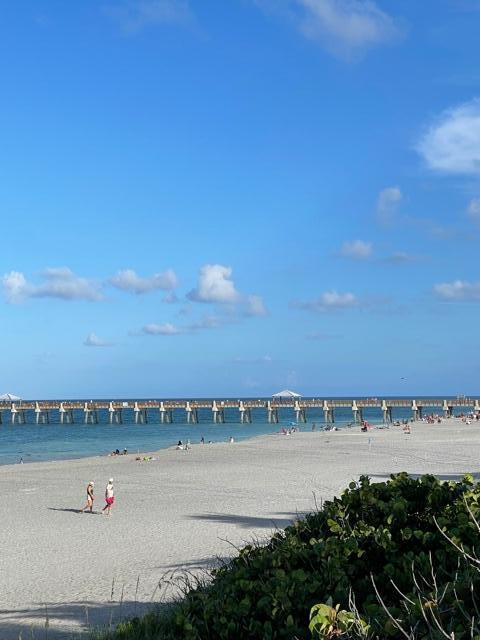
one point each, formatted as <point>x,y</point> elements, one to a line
<point>255,306</point>
<point>165,329</point>
<point>169,329</point>
<point>388,202</point>
<point>400,257</point>
<point>132,16</point>
<point>59,282</point>
<point>128,280</point>
<point>92,340</point>
<point>345,28</point>
<point>357,249</point>
<point>329,301</point>
<point>170,298</point>
<point>452,142</point>
<point>215,285</point>
<point>207,322</point>
<point>334,299</point>
<point>473,210</point>
<point>458,291</point>
<point>14,286</point>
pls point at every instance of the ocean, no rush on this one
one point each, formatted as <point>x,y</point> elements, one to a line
<point>33,442</point>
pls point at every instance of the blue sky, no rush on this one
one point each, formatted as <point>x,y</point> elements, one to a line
<point>229,198</point>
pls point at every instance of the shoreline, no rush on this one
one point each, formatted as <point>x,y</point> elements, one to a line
<point>129,456</point>
<point>301,429</point>
<point>181,512</point>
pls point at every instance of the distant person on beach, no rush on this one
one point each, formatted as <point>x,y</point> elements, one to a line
<point>109,497</point>
<point>90,498</point>
<point>202,440</point>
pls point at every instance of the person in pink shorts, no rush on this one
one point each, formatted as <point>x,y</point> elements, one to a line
<point>109,497</point>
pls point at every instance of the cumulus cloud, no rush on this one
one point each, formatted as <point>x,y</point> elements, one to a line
<point>452,143</point>
<point>388,202</point>
<point>165,329</point>
<point>329,301</point>
<point>400,257</point>
<point>473,210</point>
<point>215,284</point>
<point>92,340</point>
<point>458,291</point>
<point>58,282</point>
<point>357,250</point>
<point>169,329</point>
<point>344,28</point>
<point>255,306</point>
<point>14,286</point>
<point>128,280</point>
<point>207,322</point>
<point>133,16</point>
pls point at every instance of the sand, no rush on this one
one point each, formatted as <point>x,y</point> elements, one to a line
<point>181,511</point>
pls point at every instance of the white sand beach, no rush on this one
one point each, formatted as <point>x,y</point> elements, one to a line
<point>180,512</point>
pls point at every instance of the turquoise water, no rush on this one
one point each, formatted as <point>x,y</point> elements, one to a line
<point>54,441</point>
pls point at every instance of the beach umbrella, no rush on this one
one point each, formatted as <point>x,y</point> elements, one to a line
<point>9,397</point>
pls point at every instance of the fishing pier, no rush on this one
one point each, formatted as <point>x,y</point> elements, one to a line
<point>187,411</point>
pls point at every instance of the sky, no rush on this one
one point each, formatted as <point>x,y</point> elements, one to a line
<point>203,198</point>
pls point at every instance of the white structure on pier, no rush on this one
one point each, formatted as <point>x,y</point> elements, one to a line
<point>287,394</point>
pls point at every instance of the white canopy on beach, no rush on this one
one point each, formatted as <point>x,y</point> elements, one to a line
<point>9,397</point>
<point>286,393</point>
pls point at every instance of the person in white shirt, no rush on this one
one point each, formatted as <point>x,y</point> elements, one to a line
<point>109,497</point>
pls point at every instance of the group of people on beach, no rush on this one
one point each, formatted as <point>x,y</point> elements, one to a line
<point>109,498</point>
<point>185,446</point>
<point>288,431</point>
<point>116,452</point>
<point>467,418</point>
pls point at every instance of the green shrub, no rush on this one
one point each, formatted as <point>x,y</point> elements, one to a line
<point>328,622</point>
<point>384,552</point>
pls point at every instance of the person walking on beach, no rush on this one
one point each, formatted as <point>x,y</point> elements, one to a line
<point>90,498</point>
<point>109,497</point>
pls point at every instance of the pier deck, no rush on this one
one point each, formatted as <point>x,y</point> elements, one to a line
<point>145,410</point>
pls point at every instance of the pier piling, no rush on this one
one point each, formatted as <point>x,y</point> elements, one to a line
<point>165,411</point>
<point>192,414</point>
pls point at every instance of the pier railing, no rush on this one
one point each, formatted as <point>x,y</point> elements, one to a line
<point>146,410</point>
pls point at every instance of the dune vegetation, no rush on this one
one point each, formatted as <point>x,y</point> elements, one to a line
<point>395,559</point>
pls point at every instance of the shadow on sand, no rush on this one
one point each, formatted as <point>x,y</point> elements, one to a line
<point>276,521</point>
<point>69,621</point>
<point>93,513</point>
<point>199,566</point>
<point>377,477</point>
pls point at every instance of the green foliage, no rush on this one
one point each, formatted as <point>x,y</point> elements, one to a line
<point>327,622</point>
<point>385,543</point>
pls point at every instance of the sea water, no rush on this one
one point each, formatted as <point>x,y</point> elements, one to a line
<point>31,442</point>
